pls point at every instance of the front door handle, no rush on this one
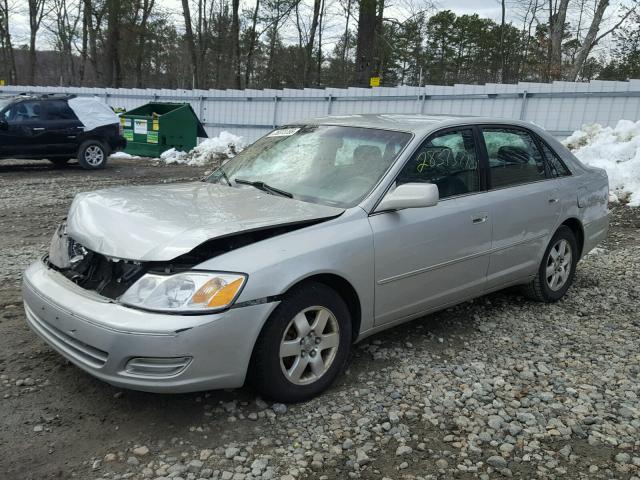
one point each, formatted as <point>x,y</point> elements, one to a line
<point>37,129</point>
<point>553,200</point>
<point>480,219</point>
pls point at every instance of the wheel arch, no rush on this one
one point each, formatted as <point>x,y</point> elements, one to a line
<point>345,289</point>
<point>578,230</point>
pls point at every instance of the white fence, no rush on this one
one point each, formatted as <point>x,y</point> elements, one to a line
<point>560,107</point>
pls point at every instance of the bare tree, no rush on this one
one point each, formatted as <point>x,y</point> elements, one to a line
<point>252,44</point>
<point>557,20</point>
<point>113,70</point>
<point>310,40</point>
<point>366,49</point>
<point>235,41</point>
<point>36,12</point>
<point>145,8</point>
<point>592,38</point>
<point>8,56</point>
<point>191,44</point>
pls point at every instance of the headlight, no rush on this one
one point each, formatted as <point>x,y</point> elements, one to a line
<point>189,292</point>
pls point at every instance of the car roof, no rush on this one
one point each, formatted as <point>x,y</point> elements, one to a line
<point>41,97</point>
<point>414,123</point>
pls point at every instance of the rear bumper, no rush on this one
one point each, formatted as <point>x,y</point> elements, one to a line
<point>140,350</point>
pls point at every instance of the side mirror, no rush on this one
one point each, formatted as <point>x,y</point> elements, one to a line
<point>410,195</point>
<point>3,124</point>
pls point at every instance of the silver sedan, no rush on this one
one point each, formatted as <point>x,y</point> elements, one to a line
<point>316,236</point>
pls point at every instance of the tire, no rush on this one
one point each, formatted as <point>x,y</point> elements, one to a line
<point>309,369</point>
<point>92,155</point>
<point>562,268</point>
<point>59,162</point>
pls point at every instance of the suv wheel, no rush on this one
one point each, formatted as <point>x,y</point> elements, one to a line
<point>92,155</point>
<point>303,346</point>
<point>557,269</point>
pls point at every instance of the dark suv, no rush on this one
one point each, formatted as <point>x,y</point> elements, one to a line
<point>58,128</point>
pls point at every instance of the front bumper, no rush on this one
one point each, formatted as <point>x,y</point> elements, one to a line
<point>109,340</point>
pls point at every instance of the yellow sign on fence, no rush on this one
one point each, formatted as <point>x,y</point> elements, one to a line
<point>374,81</point>
<point>1,82</point>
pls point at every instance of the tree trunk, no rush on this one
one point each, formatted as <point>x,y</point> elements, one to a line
<point>345,46</point>
<point>235,34</point>
<point>557,21</point>
<point>251,47</point>
<point>502,27</point>
<point>589,40</point>
<point>309,47</point>
<point>191,46</point>
<point>147,7</point>
<point>113,67</point>
<point>319,58</point>
<point>366,61</point>
<point>36,10</point>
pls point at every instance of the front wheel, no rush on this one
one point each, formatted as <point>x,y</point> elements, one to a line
<point>557,269</point>
<point>92,155</point>
<point>303,346</point>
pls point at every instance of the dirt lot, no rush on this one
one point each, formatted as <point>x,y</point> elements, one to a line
<point>497,387</point>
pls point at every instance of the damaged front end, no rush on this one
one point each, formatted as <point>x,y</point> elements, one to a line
<point>111,277</point>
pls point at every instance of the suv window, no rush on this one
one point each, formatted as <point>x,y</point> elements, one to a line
<point>557,168</point>
<point>59,110</point>
<point>449,160</point>
<point>23,112</point>
<point>514,157</point>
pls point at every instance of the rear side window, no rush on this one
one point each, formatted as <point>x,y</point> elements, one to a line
<point>514,157</point>
<point>447,159</point>
<point>59,110</point>
<point>556,167</point>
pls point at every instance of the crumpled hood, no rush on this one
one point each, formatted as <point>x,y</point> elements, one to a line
<point>161,222</point>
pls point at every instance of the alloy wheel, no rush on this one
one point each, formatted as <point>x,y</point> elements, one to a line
<point>94,155</point>
<point>309,345</point>
<point>558,265</point>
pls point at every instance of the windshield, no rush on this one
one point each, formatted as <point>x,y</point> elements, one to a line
<point>4,101</point>
<point>325,164</point>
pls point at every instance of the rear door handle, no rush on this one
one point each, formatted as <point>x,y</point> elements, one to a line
<point>553,200</point>
<point>480,219</point>
<point>37,129</point>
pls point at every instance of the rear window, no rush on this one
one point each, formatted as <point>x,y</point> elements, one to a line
<point>514,157</point>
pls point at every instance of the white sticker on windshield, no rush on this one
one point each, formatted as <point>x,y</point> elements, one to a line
<point>283,132</point>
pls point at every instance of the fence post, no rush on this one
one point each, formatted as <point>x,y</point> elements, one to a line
<point>329,101</point>
<point>275,110</point>
<point>523,107</point>
<point>201,109</point>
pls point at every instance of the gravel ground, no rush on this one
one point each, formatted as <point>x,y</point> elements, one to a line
<point>497,387</point>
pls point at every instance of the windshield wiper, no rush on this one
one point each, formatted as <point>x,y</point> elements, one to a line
<point>264,187</point>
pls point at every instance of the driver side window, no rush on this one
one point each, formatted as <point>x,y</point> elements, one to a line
<point>449,160</point>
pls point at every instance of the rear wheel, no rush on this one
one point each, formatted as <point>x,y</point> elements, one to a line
<point>304,345</point>
<point>92,155</point>
<point>557,269</point>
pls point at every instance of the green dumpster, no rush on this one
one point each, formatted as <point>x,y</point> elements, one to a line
<point>156,127</point>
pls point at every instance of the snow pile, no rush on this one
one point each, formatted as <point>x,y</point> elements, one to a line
<point>123,155</point>
<point>211,152</point>
<point>617,150</point>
